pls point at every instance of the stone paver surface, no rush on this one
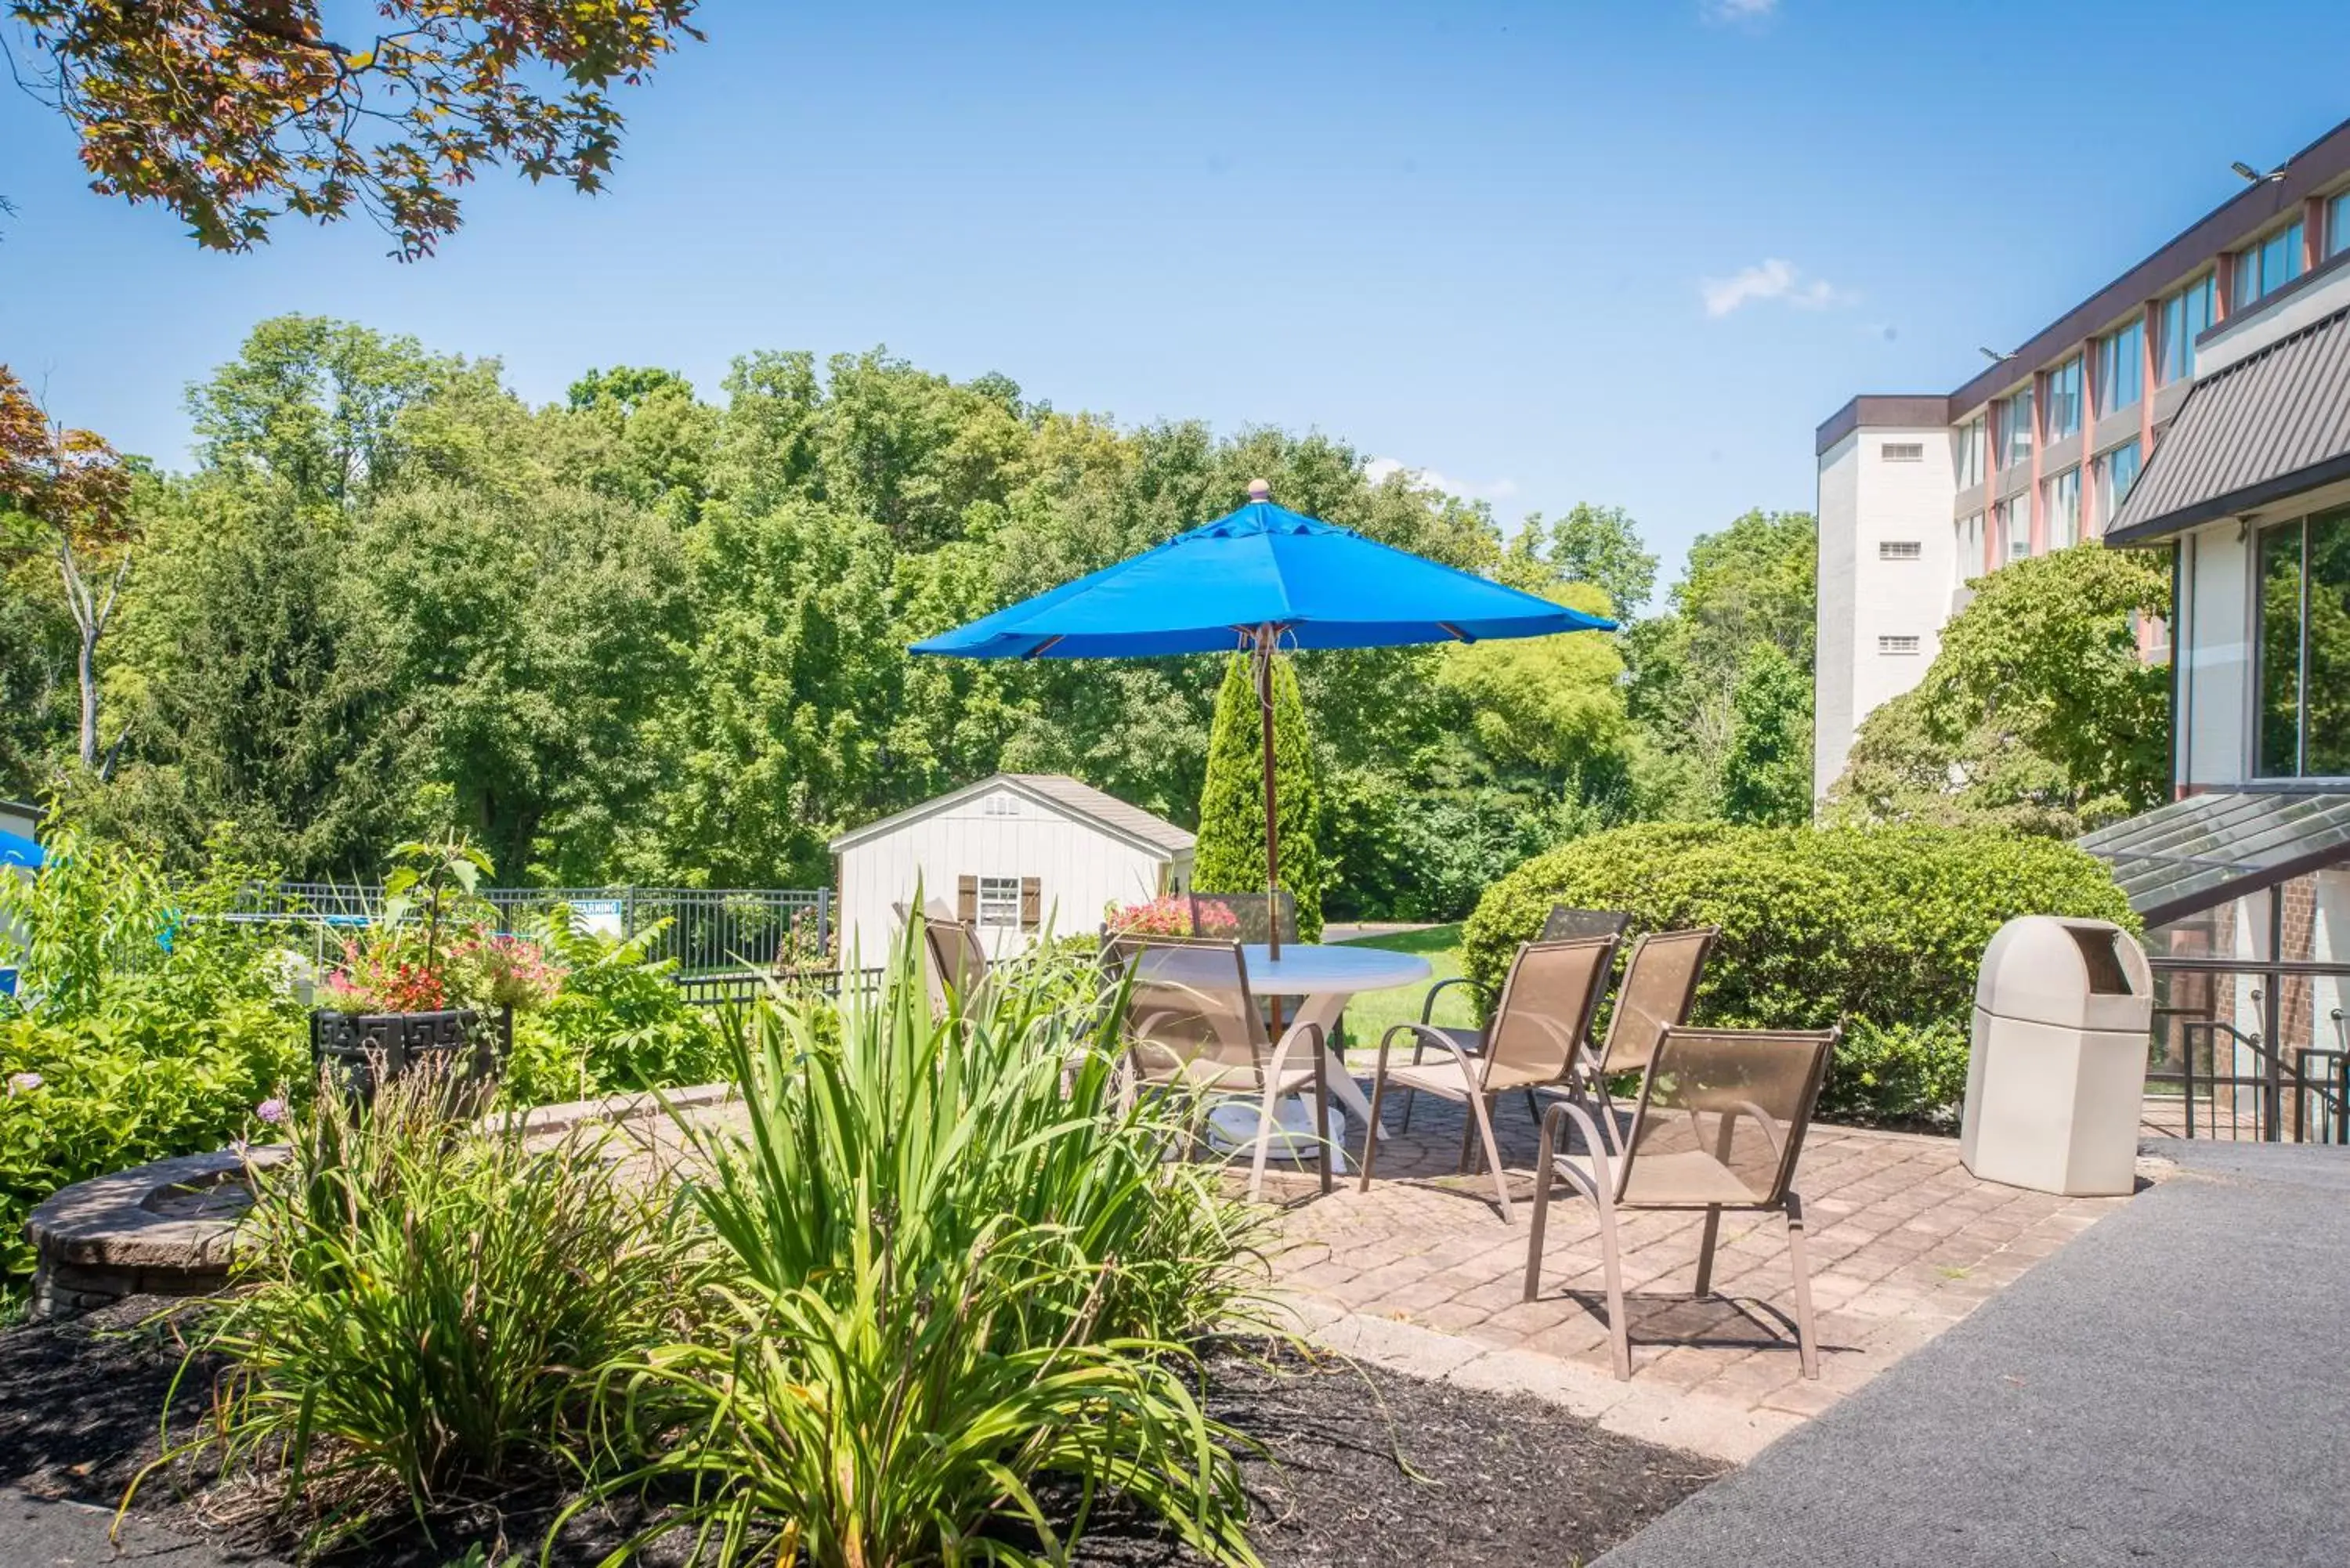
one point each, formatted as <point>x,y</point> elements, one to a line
<point>1903,1243</point>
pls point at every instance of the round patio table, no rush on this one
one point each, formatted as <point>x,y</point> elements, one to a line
<point>1320,976</point>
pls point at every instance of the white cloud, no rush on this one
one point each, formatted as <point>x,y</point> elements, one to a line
<point>1378,470</point>
<point>1775,278</point>
<point>1738,10</point>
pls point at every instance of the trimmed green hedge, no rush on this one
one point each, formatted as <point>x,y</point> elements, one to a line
<point>1878,928</point>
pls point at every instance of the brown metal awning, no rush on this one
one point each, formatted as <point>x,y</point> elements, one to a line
<point>2274,424</point>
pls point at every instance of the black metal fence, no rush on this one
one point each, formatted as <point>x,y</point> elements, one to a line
<point>2242,1049</point>
<point>709,931</point>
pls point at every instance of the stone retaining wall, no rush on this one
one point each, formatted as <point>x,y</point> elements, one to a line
<point>170,1228</point>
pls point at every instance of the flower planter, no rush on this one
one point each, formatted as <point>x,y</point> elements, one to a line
<point>362,1050</point>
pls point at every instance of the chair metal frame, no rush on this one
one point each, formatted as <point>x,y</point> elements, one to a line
<point>1476,1062</point>
<point>1274,1067</point>
<point>1609,1174</point>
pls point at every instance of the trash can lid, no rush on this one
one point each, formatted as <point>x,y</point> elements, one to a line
<point>2048,969</point>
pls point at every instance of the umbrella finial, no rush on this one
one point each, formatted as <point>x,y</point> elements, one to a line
<point>1259,489</point>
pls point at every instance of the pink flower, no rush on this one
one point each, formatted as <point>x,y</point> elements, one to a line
<point>24,1083</point>
<point>271,1111</point>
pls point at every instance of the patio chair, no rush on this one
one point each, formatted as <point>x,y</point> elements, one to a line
<point>1253,922</point>
<point>952,956</point>
<point>1659,985</point>
<point>1720,1124</point>
<point>1191,1027</point>
<point>1531,1043</point>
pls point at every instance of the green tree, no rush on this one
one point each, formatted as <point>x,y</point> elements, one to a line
<point>1551,705</point>
<point>1601,545</point>
<point>1230,857</point>
<point>316,404</point>
<point>2039,709</point>
<point>1767,776</point>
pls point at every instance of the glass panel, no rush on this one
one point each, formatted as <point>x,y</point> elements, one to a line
<point>999,900</point>
<point>2279,679</point>
<point>2065,399</point>
<point>2185,317</point>
<point>2280,259</point>
<point>2328,716</point>
<point>1967,455</point>
<point>2015,430</point>
<point>2061,505</point>
<point>2121,369</point>
<point>2337,225</point>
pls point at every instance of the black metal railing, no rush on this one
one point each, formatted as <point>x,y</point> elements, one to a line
<point>710,931</point>
<point>2222,1062</point>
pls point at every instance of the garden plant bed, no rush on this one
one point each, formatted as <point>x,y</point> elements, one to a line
<point>1491,1478</point>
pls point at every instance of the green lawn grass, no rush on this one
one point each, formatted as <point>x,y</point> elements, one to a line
<point>1372,1013</point>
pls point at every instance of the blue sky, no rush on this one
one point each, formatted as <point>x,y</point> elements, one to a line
<point>1629,252</point>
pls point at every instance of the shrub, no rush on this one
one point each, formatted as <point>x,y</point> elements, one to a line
<point>418,1303</point>
<point>143,1026</point>
<point>947,1279</point>
<point>617,1022</point>
<point>1879,928</point>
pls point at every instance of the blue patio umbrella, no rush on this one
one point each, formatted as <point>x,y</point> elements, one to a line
<point>16,849</point>
<point>1257,580</point>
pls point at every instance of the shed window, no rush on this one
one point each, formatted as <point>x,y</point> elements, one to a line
<point>999,901</point>
<point>1003,802</point>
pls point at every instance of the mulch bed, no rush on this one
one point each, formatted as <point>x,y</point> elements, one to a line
<point>1364,1468</point>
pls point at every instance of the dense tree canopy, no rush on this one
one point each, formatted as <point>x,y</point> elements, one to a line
<point>640,636</point>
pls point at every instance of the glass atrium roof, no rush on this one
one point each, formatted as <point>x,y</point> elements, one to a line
<point>2208,849</point>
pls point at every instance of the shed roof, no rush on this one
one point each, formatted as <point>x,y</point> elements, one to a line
<point>2274,424</point>
<point>1070,797</point>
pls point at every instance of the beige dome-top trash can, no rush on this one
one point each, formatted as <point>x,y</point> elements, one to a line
<point>2056,1079</point>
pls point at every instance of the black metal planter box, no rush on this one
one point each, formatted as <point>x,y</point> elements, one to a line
<point>361,1049</point>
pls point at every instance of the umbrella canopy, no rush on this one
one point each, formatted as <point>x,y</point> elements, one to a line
<point>1262,568</point>
<point>16,849</point>
<point>1261,578</point>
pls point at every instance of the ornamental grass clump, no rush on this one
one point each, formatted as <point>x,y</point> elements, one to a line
<point>962,1288</point>
<point>415,1305</point>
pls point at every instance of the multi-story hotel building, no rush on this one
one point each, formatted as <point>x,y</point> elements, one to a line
<point>1919,494</point>
<point>2197,406</point>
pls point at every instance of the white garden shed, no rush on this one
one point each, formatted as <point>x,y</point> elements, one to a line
<point>1016,855</point>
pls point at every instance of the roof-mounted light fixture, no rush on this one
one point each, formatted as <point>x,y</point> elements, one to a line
<point>2252,176</point>
<point>1996,357</point>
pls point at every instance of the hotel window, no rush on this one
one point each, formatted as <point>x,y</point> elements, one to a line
<point>2337,225</point>
<point>2014,417</point>
<point>2121,369</point>
<point>2303,648</point>
<point>2012,526</point>
<point>1902,452</point>
<point>2117,471</point>
<point>1967,455</point>
<point>1897,645</point>
<point>2064,411</point>
<point>2263,268</point>
<point>1970,548</point>
<point>2060,503</point>
<point>1900,550</point>
<point>2184,318</point>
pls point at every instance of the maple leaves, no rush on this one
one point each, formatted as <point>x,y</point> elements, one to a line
<point>233,113</point>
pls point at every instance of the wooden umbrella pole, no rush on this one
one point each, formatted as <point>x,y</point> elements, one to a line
<point>1264,636</point>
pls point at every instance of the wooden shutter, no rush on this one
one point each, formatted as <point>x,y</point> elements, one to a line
<point>1032,903</point>
<point>967,900</point>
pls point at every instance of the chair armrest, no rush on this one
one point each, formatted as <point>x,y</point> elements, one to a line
<point>1437,1040</point>
<point>1553,1143</point>
<point>1312,1036</point>
<point>1428,1007</point>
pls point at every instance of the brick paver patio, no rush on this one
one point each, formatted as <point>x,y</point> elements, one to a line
<point>1904,1242</point>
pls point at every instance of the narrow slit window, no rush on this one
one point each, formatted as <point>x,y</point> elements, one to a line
<point>1903,646</point>
<point>1900,550</point>
<point>1903,452</point>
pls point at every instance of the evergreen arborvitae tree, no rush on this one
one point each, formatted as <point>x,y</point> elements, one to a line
<point>1230,857</point>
